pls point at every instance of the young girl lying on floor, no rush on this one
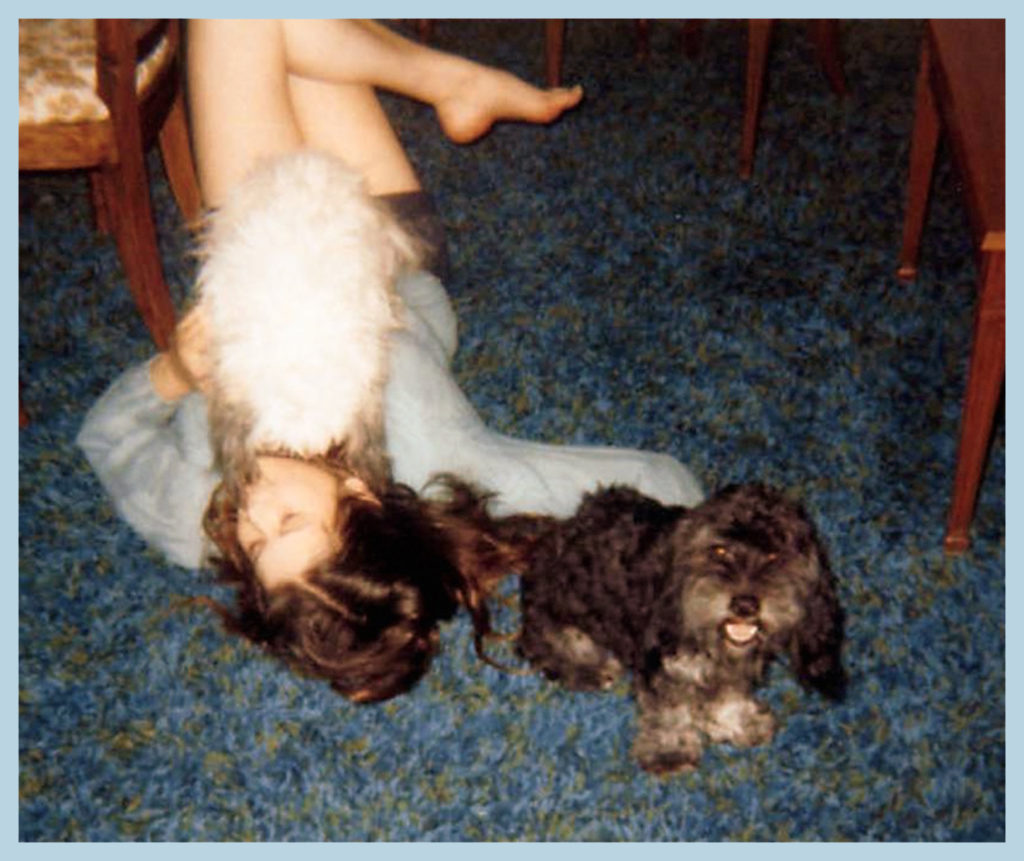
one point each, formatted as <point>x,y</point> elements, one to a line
<point>360,613</point>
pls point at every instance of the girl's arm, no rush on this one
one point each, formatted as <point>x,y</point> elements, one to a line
<point>147,440</point>
<point>432,428</point>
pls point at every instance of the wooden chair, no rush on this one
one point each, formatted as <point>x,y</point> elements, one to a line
<point>554,38</point>
<point>94,95</point>
<point>961,90</point>
<point>826,39</point>
<point>554,43</point>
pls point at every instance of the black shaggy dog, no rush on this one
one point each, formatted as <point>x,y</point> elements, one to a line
<point>693,602</point>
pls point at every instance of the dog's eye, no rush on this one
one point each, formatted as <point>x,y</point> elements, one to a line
<point>720,552</point>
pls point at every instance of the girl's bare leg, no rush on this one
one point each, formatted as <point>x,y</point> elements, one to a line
<point>248,100</point>
<point>348,121</point>
<point>240,105</point>
<point>469,97</point>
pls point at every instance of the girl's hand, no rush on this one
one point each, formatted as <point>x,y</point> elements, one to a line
<point>190,350</point>
<point>186,365</point>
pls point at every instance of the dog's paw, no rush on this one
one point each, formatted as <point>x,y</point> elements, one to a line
<point>741,722</point>
<point>669,762</point>
<point>591,678</point>
<point>760,730</point>
<point>666,755</point>
<point>570,657</point>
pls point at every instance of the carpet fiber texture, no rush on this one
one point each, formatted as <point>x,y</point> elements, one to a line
<point>616,283</point>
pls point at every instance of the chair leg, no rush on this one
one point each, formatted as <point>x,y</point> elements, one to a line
<point>177,155</point>
<point>692,37</point>
<point>554,42</point>
<point>642,40</point>
<point>923,144</point>
<point>984,383</point>
<point>127,191</point>
<point>826,41</point>
<point>100,210</point>
<point>759,36</point>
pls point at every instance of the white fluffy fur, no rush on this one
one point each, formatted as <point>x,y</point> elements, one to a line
<point>297,283</point>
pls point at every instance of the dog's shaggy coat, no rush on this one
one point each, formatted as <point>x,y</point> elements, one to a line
<point>693,603</point>
<point>297,286</point>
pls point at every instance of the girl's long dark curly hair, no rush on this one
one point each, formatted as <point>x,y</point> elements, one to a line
<point>367,619</point>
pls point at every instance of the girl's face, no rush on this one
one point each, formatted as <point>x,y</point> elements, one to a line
<point>289,518</point>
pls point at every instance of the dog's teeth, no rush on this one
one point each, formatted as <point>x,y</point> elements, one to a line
<point>740,632</point>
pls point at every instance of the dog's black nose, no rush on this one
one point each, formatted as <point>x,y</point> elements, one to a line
<point>744,606</point>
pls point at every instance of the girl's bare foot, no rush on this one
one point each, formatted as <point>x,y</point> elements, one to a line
<point>484,97</point>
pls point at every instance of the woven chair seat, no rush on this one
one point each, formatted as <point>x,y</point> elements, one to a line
<point>57,71</point>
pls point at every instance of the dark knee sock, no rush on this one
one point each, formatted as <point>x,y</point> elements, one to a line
<point>416,212</point>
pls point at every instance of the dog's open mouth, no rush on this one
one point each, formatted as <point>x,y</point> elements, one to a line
<point>740,633</point>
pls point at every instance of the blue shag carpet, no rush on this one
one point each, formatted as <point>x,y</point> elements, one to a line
<point>616,282</point>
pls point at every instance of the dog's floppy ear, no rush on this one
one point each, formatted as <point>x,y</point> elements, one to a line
<point>664,633</point>
<point>816,647</point>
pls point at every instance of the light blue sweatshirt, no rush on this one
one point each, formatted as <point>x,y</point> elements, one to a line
<point>155,460</point>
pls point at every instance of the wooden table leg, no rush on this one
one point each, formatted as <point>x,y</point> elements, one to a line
<point>759,35</point>
<point>826,40</point>
<point>923,144</point>
<point>984,383</point>
<point>554,42</point>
